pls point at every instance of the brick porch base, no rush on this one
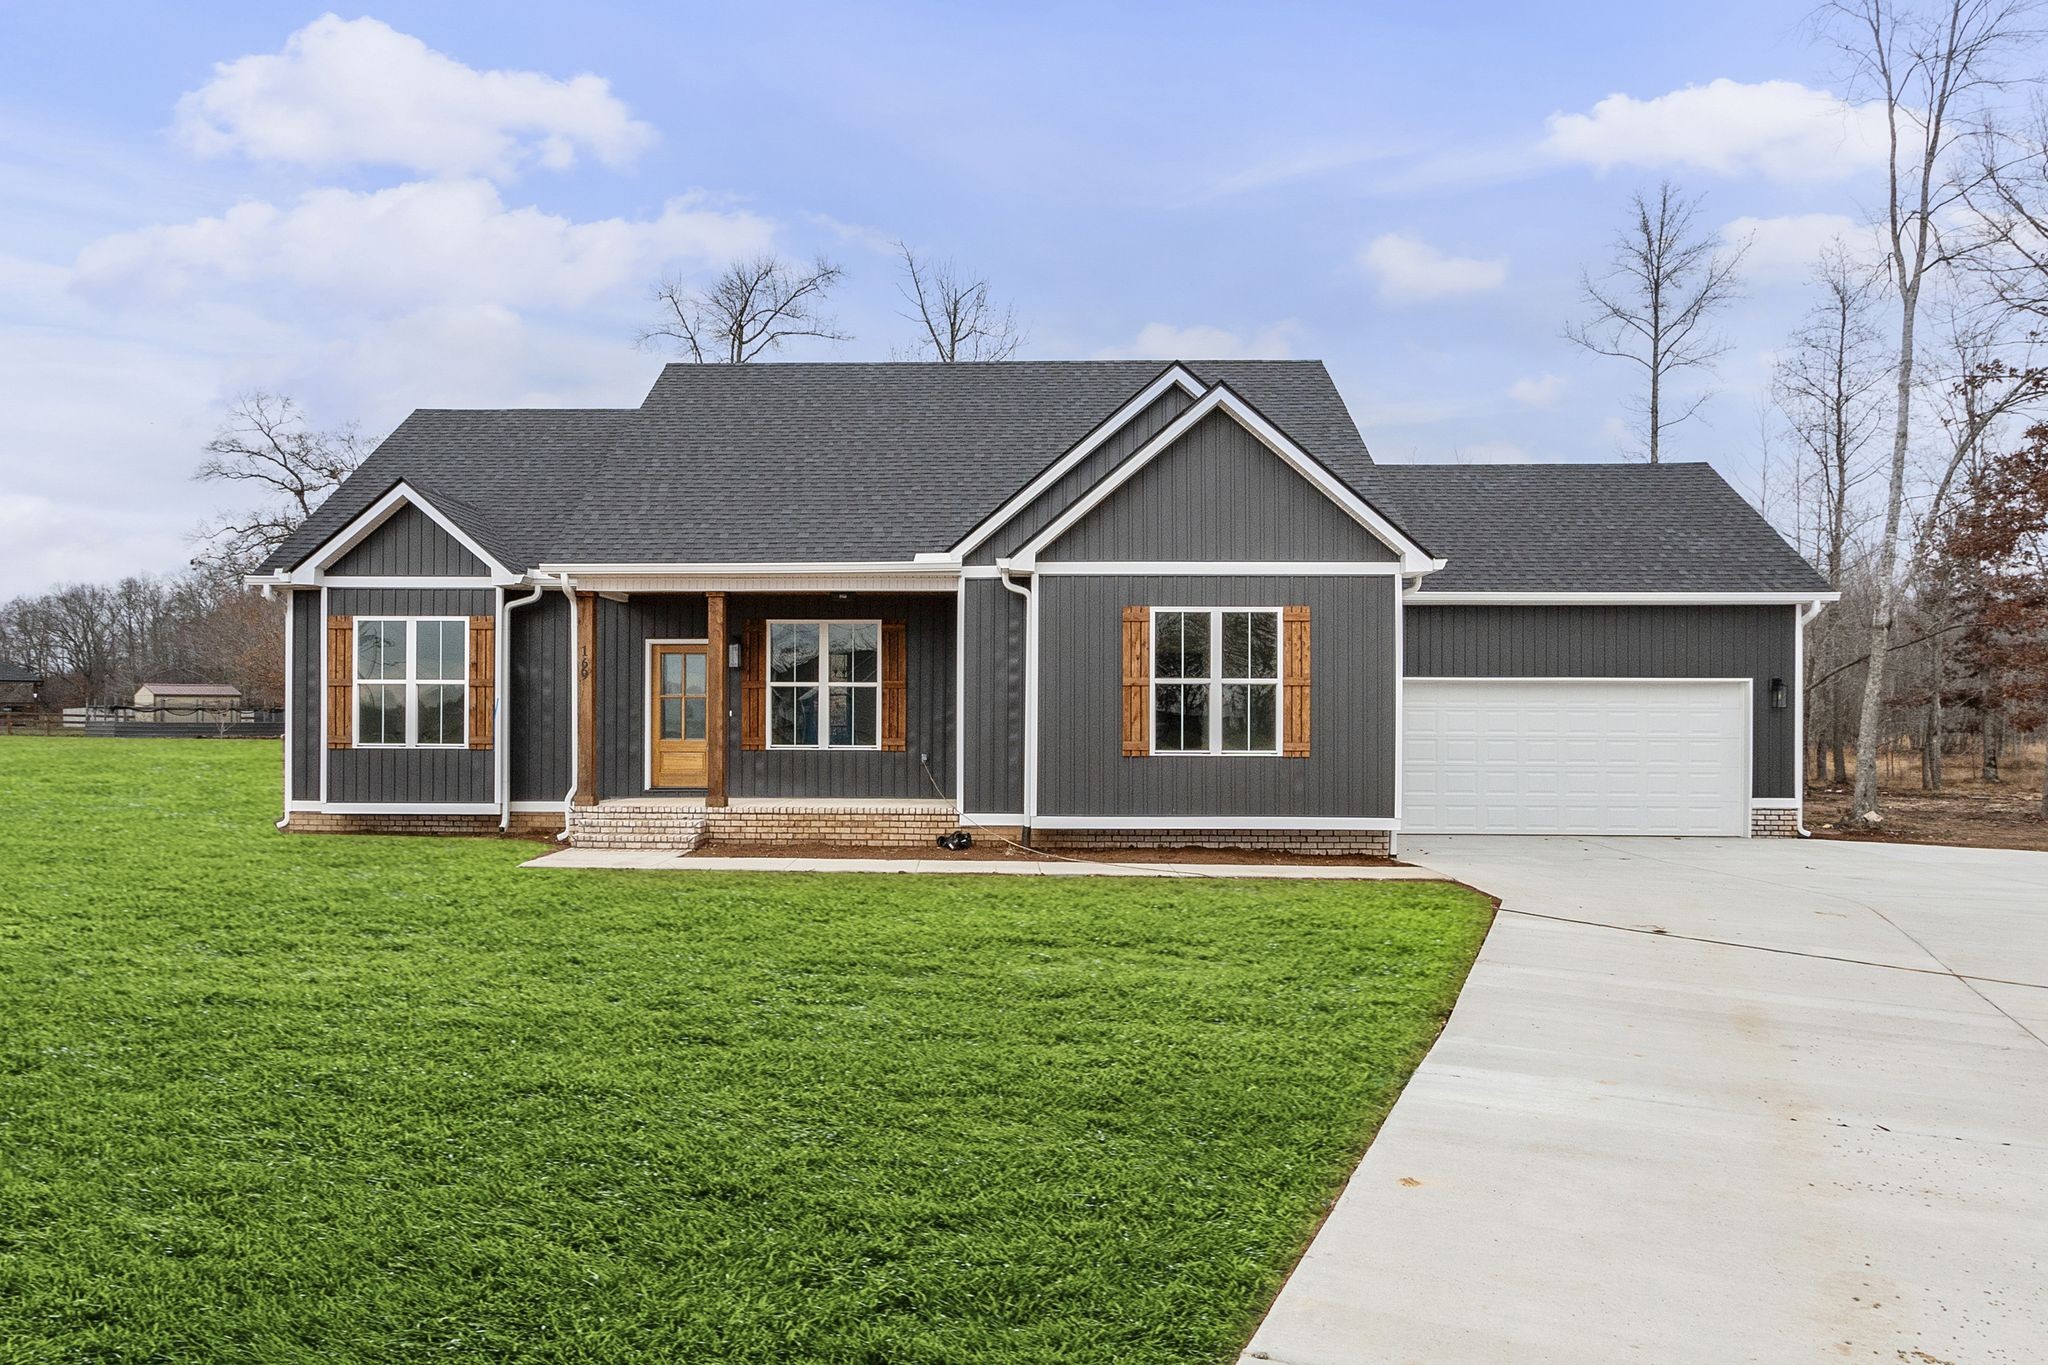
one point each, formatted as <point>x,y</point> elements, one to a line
<point>525,824</point>
<point>1371,843</point>
<point>1774,824</point>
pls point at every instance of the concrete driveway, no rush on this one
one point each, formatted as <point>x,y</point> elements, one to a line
<point>1749,1112</point>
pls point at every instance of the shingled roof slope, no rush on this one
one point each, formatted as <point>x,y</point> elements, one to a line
<point>1587,528</point>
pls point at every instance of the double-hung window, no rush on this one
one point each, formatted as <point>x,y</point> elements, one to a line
<point>824,684</point>
<point>412,682</point>
<point>1215,681</point>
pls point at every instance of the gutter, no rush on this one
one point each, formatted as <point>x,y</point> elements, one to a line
<point>1004,568</point>
<point>503,709</point>
<point>568,588</point>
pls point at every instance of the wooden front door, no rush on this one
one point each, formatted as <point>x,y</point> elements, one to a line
<point>679,716</point>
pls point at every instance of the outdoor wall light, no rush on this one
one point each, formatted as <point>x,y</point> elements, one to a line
<point>732,655</point>
<point>1777,694</point>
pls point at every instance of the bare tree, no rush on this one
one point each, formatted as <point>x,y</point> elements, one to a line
<point>1830,385</point>
<point>1651,308</point>
<point>265,442</point>
<point>955,316</point>
<point>1933,72</point>
<point>750,309</point>
<point>2009,196</point>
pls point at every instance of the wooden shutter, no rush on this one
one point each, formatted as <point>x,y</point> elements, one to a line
<point>895,687</point>
<point>483,673</point>
<point>1137,681</point>
<point>753,685</point>
<point>1295,669</point>
<point>341,669</point>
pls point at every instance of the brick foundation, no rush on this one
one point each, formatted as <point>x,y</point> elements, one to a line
<point>1369,843</point>
<point>879,826</point>
<point>525,824</point>
<point>1774,824</point>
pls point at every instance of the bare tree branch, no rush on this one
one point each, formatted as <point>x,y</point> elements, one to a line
<point>956,318</point>
<point>265,442</point>
<point>1652,306</point>
<point>749,310</point>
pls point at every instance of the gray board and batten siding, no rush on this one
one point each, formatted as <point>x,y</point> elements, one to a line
<point>992,726</point>
<point>1726,641</point>
<point>377,775</point>
<point>410,544</point>
<point>1218,493</point>
<point>1349,772</point>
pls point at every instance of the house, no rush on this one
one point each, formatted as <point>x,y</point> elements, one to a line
<point>1087,603</point>
<point>211,703</point>
<point>20,687</point>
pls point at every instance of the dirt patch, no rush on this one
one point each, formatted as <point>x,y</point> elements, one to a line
<point>1966,812</point>
<point>988,850</point>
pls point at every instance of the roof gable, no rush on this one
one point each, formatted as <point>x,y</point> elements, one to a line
<point>1219,454</point>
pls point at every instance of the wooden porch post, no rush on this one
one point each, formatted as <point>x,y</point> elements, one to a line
<point>716,729</point>
<point>586,699</point>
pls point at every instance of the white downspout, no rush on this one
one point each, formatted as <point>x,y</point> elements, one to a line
<point>290,715</point>
<point>1030,597</point>
<point>575,704</point>
<point>502,713</point>
<point>1805,618</point>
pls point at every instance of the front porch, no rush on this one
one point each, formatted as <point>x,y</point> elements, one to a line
<point>682,823</point>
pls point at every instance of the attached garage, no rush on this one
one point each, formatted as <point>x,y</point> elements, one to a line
<point>1650,756</point>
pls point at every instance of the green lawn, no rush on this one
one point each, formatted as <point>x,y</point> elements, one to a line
<point>270,1097</point>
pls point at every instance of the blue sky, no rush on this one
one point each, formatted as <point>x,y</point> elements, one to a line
<point>442,205</point>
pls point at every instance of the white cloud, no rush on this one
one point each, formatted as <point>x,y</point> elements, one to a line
<point>357,92</point>
<point>1537,391</point>
<point>1779,129</point>
<point>1787,248</point>
<point>1409,269</point>
<point>1164,341</point>
<point>413,245</point>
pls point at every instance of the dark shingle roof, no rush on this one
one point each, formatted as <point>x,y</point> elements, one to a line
<point>505,475</point>
<point>821,462</point>
<point>1587,528</point>
<point>757,463</point>
<point>12,672</point>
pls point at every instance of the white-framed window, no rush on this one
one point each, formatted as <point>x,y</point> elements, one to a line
<point>412,682</point>
<point>824,684</point>
<point>1215,680</point>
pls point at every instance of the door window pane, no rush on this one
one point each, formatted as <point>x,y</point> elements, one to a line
<point>693,674</point>
<point>671,673</point>
<point>671,718</point>
<point>793,653</point>
<point>693,717</point>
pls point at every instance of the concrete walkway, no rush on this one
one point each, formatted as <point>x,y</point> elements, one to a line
<point>690,862</point>
<point>1805,1140</point>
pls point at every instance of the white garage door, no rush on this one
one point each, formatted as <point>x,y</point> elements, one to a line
<point>1576,756</point>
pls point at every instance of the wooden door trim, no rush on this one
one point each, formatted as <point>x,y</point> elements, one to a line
<point>648,718</point>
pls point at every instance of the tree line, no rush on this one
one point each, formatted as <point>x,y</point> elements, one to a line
<point>1904,452</point>
<point>94,643</point>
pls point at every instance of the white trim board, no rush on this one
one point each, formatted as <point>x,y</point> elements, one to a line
<point>1197,568</point>
<point>1305,823</point>
<point>1173,376</point>
<point>1427,598</point>
<point>406,807</point>
<point>313,569</point>
<point>1413,558</point>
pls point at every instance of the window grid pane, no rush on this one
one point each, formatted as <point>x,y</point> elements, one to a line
<point>843,656</point>
<point>380,649</point>
<point>1243,693</point>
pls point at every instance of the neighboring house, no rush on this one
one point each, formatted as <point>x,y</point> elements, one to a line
<point>1104,602</point>
<point>20,688</point>
<point>211,703</point>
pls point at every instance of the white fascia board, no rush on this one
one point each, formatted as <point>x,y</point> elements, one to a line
<point>1304,823</point>
<point>376,514</point>
<point>402,807</point>
<point>1343,568</point>
<point>1414,559</point>
<point>1425,598</point>
<point>1175,376</point>
<point>826,567</point>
